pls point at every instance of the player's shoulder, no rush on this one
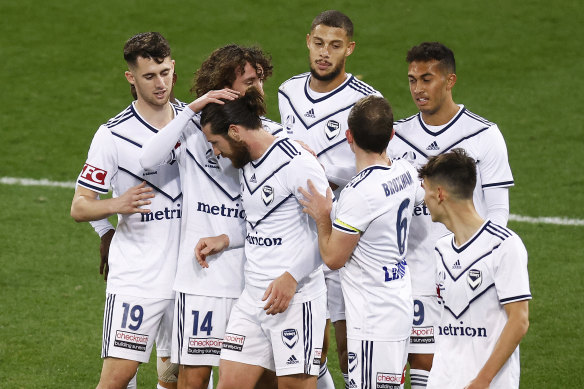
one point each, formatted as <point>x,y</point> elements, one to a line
<point>121,117</point>
<point>502,235</point>
<point>473,117</point>
<point>409,121</point>
<point>271,126</point>
<point>361,87</point>
<point>293,82</point>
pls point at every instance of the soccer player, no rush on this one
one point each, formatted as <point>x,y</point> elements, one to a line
<point>441,125</point>
<point>483,282</point>
<point>278,321</point>
<point>211,205</point>
<point>144,249</point>
<point>368,243</point>
<point>314,107</point>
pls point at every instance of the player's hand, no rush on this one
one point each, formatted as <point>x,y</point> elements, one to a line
<point>134,198</point>
<point>104,246</point>
<point>209,246</point>
<point>279,293</point>
<point>315,204</point>
<point>306,147</point>
<point>213,96</point>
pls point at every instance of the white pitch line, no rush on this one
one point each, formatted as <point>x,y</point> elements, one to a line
<point>33,182</point>
<point>562,221</point>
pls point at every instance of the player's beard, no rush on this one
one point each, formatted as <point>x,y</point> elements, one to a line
<point>239,155</point>
<point>329,76</point>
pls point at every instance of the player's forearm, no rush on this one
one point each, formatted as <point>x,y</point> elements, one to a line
<point>513,332</point>
<point>327,252</point>
<point>158,148</point>
<point>84,209</point>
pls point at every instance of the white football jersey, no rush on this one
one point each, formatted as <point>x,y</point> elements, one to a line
<point>279,235</point>
<point>475,281</point>
<point>211,207</point>
<point>378,203</point>
<point>415,141</point>
<point>320,121</point>
<point>143,252</point>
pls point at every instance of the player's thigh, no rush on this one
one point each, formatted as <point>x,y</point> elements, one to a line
<point>194,376</point>
<point>427,314</point>
<point>116,372</point>
<point>296,336</point>
<point>377,364</point>
<point>238,375</point>
<point>198,329</point>
<point>297,381</point>
<point>131,325</point>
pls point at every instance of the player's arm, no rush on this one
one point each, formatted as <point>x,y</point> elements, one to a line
<point>156,151</point>
<point>513,332</point>
<point>335,246</point>
<point>87,206</point>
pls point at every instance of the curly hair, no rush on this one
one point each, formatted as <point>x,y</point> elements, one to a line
<point>146,45</point>
<point>219,70</point>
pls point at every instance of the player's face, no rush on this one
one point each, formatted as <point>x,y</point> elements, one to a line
<point>431,198</point>
<point>250,77</point>
<point>153,81</point>
<point>328,49</point>
<point>430,86</point>
<point>236,151</point>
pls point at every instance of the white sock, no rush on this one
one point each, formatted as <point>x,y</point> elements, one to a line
<point>325,381</point>
<point>210,386</point>
<point>419,378</point>
<point>346,378</point>
<point>132,384</point>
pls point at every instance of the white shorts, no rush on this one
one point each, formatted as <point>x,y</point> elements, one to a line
<point>131,324</point>
<point>377,364</point>
<point>334,294</point>
<point>288,342</point>
<point>427,312</point>
<point>198,328</point>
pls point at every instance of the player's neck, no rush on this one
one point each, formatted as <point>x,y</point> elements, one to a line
<point>365,159</point>
<point>443,115</point>
<point>157,116</point>
<point>320,86</point>
<point>464,221</point>
<point>259,143</point>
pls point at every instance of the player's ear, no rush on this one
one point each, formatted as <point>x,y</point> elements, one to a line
<point>451,80</point>
<point>129,77</point>
<point>233,132</point>
<point>392,133</point>
<point>308,40</point>
<point>349,136</point>
<point>350,48</point>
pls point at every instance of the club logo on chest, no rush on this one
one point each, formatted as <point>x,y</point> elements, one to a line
<point>475,278</point>
<point>332,129</point>
<point>267,194</point>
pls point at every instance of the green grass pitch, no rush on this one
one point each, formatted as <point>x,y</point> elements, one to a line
<point>518,64</point>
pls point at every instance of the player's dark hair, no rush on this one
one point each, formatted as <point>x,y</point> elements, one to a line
<point>455,169</point>
<point>428,51</point>
<point>219,70</point>
<point>149,45</point>
<point>371,123</point>
<point>332,18</point>
<point>244,111</point>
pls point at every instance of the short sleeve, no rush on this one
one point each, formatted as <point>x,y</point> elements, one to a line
<point>353,214</point>
<point>101,164</point>
<point>510,271</point>
<point>493,162</point>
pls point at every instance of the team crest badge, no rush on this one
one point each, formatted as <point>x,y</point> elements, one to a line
<point>267,194</point>
<point>289,123</point>
<point>352,361</point>
<point>290,337</point>
<point>475,278</point>
<point>332,129</point>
